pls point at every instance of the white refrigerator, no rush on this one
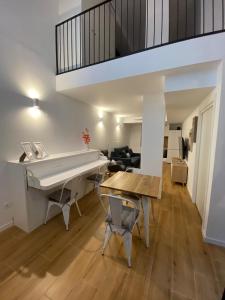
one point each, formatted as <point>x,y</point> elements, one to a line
<point>173,149</point>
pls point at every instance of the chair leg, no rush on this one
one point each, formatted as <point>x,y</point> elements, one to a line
<point>66,215</point>
<point>153,214</point>
<point>48,209</point>
<point>138,228</point>
<point>78,208</point>
<point>97,188</point>
<point>127,239</point>
<point>141,206</point>
<point>102,204</point>
<point>108,234</point>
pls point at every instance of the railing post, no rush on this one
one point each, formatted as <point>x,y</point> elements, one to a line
<point>99,35</point>
<point>133,25</point>
<point>109,27</point>
<point>67,39</point>
<point>89,36</point>
<point>71,28</point>
<point>154,26</point>
<point>162,9</point>
<point>94,38</point>
<point>139,42</point>
<point>64,59</point>
<point>104,31</point>
<point>56,49</point>
<point>222,14</point>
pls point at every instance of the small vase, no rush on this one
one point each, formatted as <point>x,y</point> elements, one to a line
<point>87,147</point>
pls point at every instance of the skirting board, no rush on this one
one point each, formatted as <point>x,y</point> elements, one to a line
<point>6,226</point>
<point>213,241</point>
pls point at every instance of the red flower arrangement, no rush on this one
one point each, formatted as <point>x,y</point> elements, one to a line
<point>86,136</point>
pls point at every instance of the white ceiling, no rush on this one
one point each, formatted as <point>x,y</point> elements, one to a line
<point>179,105</point>
<point>123,96</point>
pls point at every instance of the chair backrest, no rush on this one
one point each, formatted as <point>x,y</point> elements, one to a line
<point>116,207</point>
<point>72,185</point>
<point>102,171</point>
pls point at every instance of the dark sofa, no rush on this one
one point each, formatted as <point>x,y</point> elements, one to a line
<point>126,156</point>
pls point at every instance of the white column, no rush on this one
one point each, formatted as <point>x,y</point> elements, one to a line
<point>153,134</point>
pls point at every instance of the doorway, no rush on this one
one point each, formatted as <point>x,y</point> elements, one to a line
<point>204,159</point>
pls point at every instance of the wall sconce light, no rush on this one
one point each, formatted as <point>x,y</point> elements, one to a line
<point>36,103</point>
<point>100,119</point>
<point>34,110</point>
<point>118,122</point>
<point>100,116</point>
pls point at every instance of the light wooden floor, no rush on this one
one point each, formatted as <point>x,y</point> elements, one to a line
<point>54,264</point>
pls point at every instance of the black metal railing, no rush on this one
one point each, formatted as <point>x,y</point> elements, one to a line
<point>116,28</point>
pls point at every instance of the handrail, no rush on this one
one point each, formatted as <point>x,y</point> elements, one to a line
<point>118,28</point>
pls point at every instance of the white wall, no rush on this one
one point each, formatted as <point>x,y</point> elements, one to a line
<point>69,8</point>
<point>28,62</point>
<point>90,3</point>
<point>153,134</point>
<point>186,127</point>
<point>214,226</point>
<point>192,160</point>
<point>135,133</point>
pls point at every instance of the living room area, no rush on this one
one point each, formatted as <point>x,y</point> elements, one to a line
<point>126,156</point>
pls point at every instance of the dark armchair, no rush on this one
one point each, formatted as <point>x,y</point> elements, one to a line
<point>126,156</point>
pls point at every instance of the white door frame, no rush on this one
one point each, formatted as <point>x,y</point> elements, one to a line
<point>202,110</point>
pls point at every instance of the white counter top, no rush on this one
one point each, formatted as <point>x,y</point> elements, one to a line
<point>54,157</point>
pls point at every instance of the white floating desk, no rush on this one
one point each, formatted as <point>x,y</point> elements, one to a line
<point>54,180</point>
<point>31,182</point>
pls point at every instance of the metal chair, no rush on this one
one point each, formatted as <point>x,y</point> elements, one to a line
<point>136,197</point>
<point>64,198</point>
<point>97,179</point>
<point>121,220</point>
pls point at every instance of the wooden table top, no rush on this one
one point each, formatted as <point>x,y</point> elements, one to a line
<point>143,185</point>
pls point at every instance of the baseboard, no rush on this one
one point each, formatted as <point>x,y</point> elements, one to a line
<point>213,241</point>
<point>189,194</point>
<point>6,226</point>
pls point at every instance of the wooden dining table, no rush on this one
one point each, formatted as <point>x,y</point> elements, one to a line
<point>145,187</point>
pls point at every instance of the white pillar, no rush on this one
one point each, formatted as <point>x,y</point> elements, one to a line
<point>153,134</point>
